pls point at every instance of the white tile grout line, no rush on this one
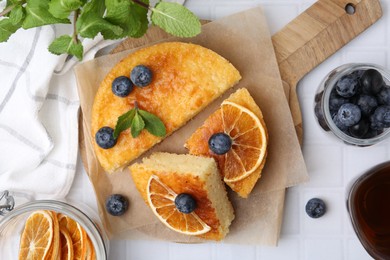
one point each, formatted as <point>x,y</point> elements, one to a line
<point>301,212</point>
<point>258,253</point>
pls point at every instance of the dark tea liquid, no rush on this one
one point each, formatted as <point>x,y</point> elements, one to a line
<point>370,211</point>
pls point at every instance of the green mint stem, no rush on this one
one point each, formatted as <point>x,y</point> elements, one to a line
<point>138,2</point>
<point>76,15</point>
<point>136,105</point>
<point>7,10</point>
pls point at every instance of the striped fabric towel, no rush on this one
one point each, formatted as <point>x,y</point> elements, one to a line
<point>38,115</point>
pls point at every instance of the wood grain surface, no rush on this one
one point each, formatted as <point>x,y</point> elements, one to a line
<point>304,43</point>
<point>315,35</point>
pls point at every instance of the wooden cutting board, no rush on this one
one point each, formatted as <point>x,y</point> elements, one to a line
<point>304,43</point>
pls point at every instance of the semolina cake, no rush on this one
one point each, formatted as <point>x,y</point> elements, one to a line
<point>163,178</point>
<point>183,79</point>
<point>240,138</point>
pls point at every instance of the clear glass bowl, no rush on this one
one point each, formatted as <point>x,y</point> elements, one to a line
<point>13,221</point>
<point>321,103</point>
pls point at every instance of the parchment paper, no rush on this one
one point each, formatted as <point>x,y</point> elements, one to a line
<point>245,41</point>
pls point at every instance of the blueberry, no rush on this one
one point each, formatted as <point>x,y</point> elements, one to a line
<point>318,96</point>
<point>141,76</point>
<point>367,104</point>
<point>371,81</point>
<point>381,118</point>
<point>185,203</point>
<point>315,208</point>
<point>105,137</point>
<point>320,116</point>
<point>122,86</point>
<point>375,124</point>
<point>384,96</point>
<point>360,129</point>
<point>220,143</point>
<point>358,73</point>
<point>336,101</point>
<point>372,133</point>
<point>339,125</point>
<point>349,114</point>
<point>347,86</point>
<point>117,204</point>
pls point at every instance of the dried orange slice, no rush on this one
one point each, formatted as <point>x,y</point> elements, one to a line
<point>37,236</point>
<point>54,250</point>
<point>78,235</point>
<point>249,141</point>
<point>162,202</point>
<point>90,252</point>
<point>66,244</point>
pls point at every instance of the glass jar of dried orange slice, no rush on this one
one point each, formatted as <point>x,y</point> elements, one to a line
<point>50,229</point>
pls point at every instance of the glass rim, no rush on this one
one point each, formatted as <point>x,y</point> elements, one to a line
<point>346,69</point>
<point>98,238</point>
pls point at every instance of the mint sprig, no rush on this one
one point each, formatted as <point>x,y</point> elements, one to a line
<point>137,119</point>
<point>113,19</point>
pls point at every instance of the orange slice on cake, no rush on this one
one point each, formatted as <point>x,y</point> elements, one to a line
<point>248,141</point>
<point>162,202</point>
<point>241,119</point>
<point>37,236</point>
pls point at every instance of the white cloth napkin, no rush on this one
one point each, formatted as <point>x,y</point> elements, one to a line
<point>38,114</point>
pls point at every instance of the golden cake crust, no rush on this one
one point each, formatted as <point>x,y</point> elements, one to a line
<point>181,182</point>
<point>186,78</point>
<point>197,144</point>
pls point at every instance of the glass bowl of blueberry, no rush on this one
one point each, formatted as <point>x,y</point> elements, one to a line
<point>353,102</point>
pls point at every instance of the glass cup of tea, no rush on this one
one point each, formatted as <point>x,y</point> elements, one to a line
<point>368,204</point>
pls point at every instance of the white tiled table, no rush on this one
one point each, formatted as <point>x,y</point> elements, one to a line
<point>331,164</point>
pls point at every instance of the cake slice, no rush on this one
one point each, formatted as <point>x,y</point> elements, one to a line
<point>236,137</point>
<point>163,178</point>
<point>185,79</point>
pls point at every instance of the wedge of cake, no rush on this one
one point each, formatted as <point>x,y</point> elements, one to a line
<point>186,193</point>
<point>173,81</point>
<point>236,137</point>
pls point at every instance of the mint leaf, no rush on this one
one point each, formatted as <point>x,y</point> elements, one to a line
<point>7,29</point>
<point>153,124</point>
<point>63,8</point>
<point>124,122</point>
<point>137,125</point>
<point>37,14</point>
<point>138,119</point>
<point>66,44</point>
<point>91,21</point>
<point>16,15</point>
<point>175,19</point>
<point>131,17</point>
